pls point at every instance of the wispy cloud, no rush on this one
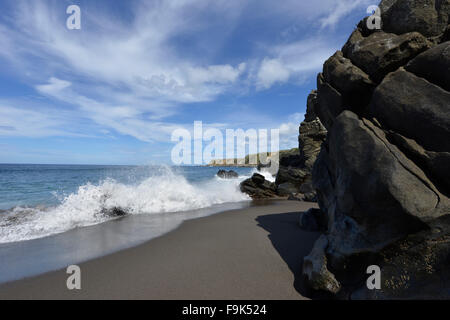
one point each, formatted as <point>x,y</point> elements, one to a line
<point>341,9</point>
<point>271,72</point>
<point>129,75</point>
<point>19,121</point>
<point>294,61</point>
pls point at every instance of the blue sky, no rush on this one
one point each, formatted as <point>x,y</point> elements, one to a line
<point>114,91</point>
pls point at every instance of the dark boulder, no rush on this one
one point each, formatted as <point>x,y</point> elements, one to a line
<point>373,197</point>
<point>258,187</point>
<point>415,108</point>
<point>381,53</point>
<point>362,191</point>
<point>429,17</point>
<point>258,178</point>
<point>114,212</point>
<point>434,164</point>
<point>353,84</point>
<point>433,65</point>
<point>353,42</point>
<point>230,174</point>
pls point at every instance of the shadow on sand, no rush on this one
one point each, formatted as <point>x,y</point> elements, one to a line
<point>291,242</point>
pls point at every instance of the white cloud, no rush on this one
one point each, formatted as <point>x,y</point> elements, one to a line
<point>53,86</point>
<point>294,62</point>
<point>123,119</point>
<point>271,72</point>
<point>23,122</point>
<point>130,75</point>
<point>289,131</point>
<point>221,74</point>
<point>340,9</point>
<point>138,57</point>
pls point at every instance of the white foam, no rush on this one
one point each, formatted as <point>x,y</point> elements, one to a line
<point>267,175</point>
<point>165,192</point>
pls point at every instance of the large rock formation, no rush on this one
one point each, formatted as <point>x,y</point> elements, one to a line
<point>294,176</point>
<point>295,171</point>
<point>382,177</point>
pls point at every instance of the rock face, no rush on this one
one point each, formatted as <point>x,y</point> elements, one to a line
<point>313,220</point>
<point>382,177</point>
<point>312,135</point>
<point>433,65</point>
<point>230,174</point>
<point>415,108</point>
<point>351,81</point>
<point>297,171</point>
<point>381,53</point>
<point>429,17</point>
<point>294,177</point>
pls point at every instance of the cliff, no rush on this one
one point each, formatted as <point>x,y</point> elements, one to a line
<point>294,175</point>
<point>245,162</point>
<point>383,174</point>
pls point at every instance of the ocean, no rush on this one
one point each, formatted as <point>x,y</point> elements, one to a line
<point>53,216</point>
<point>41,200</point>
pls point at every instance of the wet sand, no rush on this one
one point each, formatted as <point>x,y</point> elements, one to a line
<point>250,253</point>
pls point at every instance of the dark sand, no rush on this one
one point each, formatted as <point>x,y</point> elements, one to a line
<point>253,253</point>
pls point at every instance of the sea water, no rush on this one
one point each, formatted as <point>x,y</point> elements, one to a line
<point>41,200</point>
<point>53,216</point>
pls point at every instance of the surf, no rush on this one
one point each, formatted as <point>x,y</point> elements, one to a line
<point>164,192</point>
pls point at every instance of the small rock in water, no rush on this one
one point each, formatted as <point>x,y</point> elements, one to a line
<point>115,212</point>
<point>227,174</point>
<point>258,187</point>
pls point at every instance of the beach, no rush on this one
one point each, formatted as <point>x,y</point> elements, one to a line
<point>249,253</point>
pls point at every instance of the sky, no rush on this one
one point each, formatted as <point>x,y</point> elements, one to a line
<point>113,91</point>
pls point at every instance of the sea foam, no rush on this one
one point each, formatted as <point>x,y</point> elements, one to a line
<point>165,192</point>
